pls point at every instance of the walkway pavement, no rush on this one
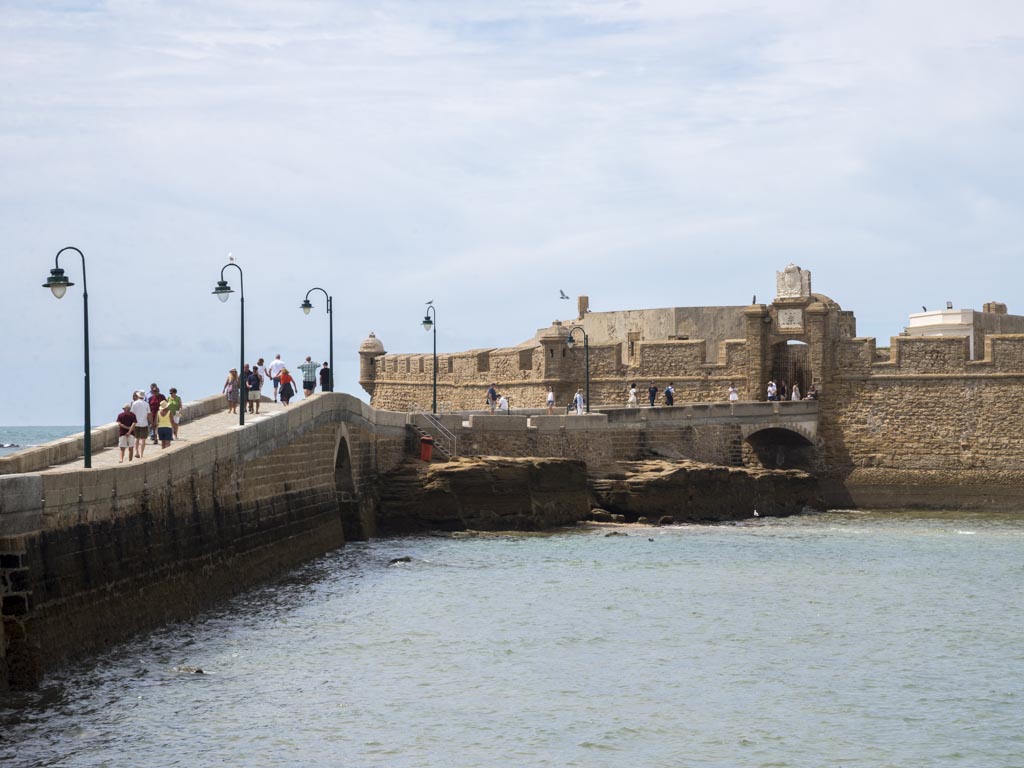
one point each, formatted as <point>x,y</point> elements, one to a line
<point>189,431</point>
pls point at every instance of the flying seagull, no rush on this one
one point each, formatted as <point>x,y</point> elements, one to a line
<point>561,294</point>
<point>430,302</point>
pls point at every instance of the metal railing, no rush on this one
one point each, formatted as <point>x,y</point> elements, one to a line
<point>449,441</point>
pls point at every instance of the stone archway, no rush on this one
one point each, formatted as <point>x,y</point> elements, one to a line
<point>780,448</point>
<point>349,507</point>
<point>791,364</point>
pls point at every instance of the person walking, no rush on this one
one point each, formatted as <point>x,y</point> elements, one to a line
<point>231,387</point>
<point>325,378</point>
<point>632,402</point>
<point>154,400</point>
<point>772,392</point>
<point>252,385</point>
<point>275,374</point>
<point>492,397</point>
<point>794,393</point>
<point>126,422</point>
<point>308,369</point>
<point>733,394</point>
<point>551,401</point>
<point>261,369</point>
<point>287,391</point>
<point>652,394</point>
<point>174,405</point>
<point>141,410</point>
<point>579,402</point>
<point>164,426</point>
<point>670,394</point>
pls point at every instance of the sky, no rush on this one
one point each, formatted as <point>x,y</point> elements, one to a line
<point>483,155</point>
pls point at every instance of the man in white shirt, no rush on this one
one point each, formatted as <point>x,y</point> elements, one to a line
<point>275,373</point>
<point>141,410</point>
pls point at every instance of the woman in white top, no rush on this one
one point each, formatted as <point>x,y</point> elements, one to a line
<point>551,401</point>
<point>795,394</point>
<point>733,394</point>
<point>632,395</point>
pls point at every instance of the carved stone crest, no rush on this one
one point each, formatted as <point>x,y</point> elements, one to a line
<point>793,283</point>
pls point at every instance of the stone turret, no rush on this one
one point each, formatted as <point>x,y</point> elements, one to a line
<point>369,351</point>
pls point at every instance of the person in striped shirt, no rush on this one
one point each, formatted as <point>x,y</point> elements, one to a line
<point>308,369</point>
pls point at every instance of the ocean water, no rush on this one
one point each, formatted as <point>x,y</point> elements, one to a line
<point>851,639</point>
<point>14,439</point>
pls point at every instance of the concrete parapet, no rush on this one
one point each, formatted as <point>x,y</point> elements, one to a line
<point>497,423</point>
<point>21,508</point>
<point>586,421</point>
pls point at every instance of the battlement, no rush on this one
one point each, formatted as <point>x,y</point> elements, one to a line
<point>931,355</point>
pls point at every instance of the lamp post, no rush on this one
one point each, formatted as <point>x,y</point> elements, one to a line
<point>305,306</point>
<point>570,342</point>
<point>222,291</point>
<point>428,324</point>
<point>58,284</point>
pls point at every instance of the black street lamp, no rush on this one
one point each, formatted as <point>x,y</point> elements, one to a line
<point>58,283</point>
<point>305,306</point>
<point>427,325</point>
<point>570,342</point>
<point>222,291</point>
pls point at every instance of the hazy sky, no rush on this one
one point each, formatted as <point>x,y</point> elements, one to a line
<point>483,155</point>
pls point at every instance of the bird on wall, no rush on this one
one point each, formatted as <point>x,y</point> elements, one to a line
<point>924,308</point>
<point>561,294</point>
<point>230,257</point>
<point>754,299</point>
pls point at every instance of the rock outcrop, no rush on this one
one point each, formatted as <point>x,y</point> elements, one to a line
<point>486,493</point>
<point>690,491</point>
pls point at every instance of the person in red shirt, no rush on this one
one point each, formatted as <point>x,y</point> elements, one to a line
<point>126,422</point>
<point>154,400</point>
<point>287,386</point>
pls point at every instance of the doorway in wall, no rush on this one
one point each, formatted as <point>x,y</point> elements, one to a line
<point>791,364</point>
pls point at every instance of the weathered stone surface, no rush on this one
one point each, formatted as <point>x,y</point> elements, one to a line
<point>688,491</point>
<point>486,493</point>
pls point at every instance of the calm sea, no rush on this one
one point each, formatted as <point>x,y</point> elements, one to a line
<point>850,639</point>
<point>17,438</point>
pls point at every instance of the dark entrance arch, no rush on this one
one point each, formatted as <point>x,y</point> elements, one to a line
<point>791,364</point>
<point>345,489</point>
<point>779,448</point>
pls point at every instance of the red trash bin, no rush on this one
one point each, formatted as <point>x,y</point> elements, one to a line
<point>426,448</point>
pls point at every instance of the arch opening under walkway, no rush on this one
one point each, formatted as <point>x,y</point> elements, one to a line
<point>780,448</point>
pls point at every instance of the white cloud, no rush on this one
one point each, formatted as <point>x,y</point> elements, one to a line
<point>487,154</point>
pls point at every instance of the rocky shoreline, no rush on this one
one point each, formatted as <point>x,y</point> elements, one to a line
<point>492,493</point>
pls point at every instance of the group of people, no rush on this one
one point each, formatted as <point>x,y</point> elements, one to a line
<point>154,416</point>
<point>254,376</point>
<point>781,392</point>
<point>495,401</point>
<point>669,394</point>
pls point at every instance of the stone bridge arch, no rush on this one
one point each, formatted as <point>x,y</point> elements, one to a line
<point>773,446</point>
<point>354,508</point>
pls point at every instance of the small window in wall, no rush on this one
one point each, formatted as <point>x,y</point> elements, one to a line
<point>421,364</point>
<point>483,362</point>
<point>408,365</point>
<point>633,337</point>
<point>551,352</point>
<point>526,360</point>
<point>563,351</point>
<point>451,365</point>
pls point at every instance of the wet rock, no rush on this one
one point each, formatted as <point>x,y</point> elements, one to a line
<point>600,516</point>
<point>403,559</point>
<point>190,670</point>
<point>616,533</point>
<point>666,520</point>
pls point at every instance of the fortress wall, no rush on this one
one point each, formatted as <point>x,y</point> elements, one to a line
<point>926,439</point>
<point>595,441</point>
<point>90,557</point>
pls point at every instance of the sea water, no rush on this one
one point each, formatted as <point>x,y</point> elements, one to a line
<point>847,638</point>
<point>18,438</point>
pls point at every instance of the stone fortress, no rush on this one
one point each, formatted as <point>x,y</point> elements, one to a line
<point>933,419</point>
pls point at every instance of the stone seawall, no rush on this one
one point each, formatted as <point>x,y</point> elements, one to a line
<point>90,557</point>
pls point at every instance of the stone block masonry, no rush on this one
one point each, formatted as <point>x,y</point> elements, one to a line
<point>90,557</point>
